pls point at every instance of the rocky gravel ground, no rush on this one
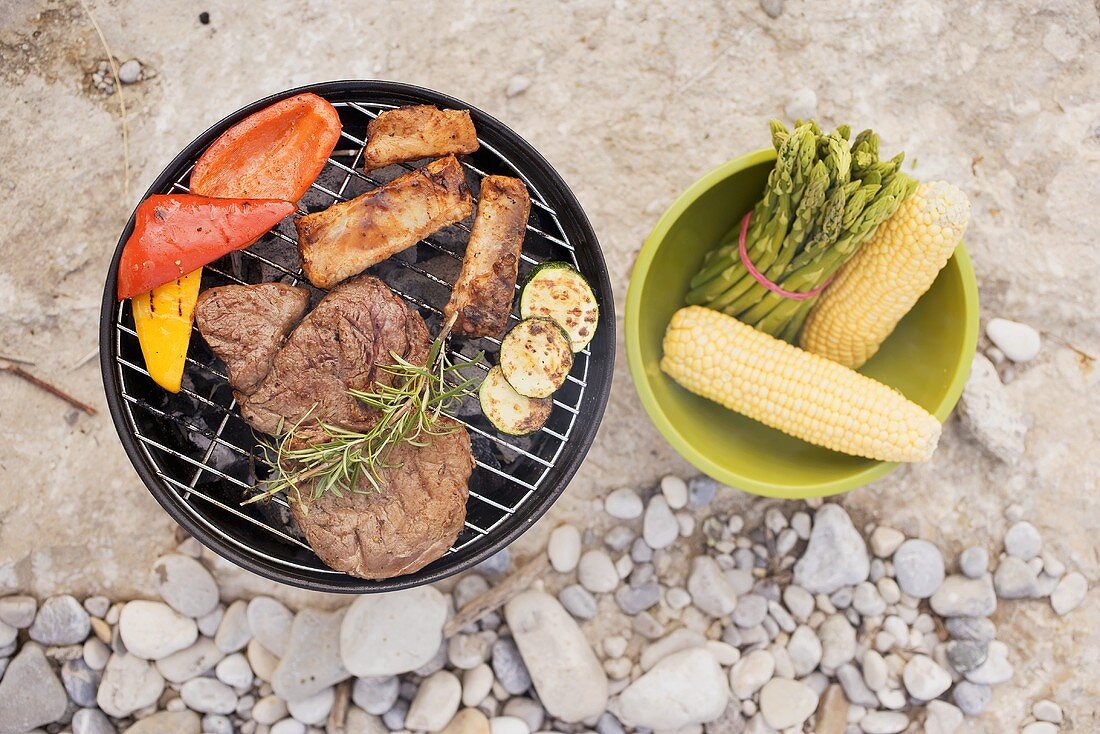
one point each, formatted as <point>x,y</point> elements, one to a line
<point>798,622</point>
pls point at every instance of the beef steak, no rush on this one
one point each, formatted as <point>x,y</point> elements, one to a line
<point>410,523</point>
<point>345,342</point>
<point>246,324</point>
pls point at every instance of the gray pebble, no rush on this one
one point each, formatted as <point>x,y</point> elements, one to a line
<point>80,681</point>
<point>636,599</point>
<point>618,538</point>
<point>527,710</point>
<point>1015,579</point>
<point>468,588</point>
<point>508,667</point>
<point>841,598</point>
<point>496,563</point>
<point>216,724</point>
<point>375,695</point>
<point>129,73</point>
<point>91,721</point>
<point>971,698</point>
<point>659,526</point>
<point>407,690</point>
<point>919,568</point>
<point>781,616</point>
<point>578,601</point>
<point>642,574</point>
<point>647,626</point>
<point>61,621</point>
<point>750,611</point>
<point>867,601</point>
<point>965,655</point>
<point>1023,541</point>
<point>394,719</point>
<point>855,688</point>
<point>701,491</point>
<point>974,562</point>
<point>979,629</point>
<point>640,552</point>
<point>18,611</point>
<point>608,724</point>
<point>774,8</point>
<point>745,559</point>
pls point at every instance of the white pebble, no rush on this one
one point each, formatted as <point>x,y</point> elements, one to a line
<point>675,491</point>
<point>313,710</point>
<point>288,726</point>
<point>234,671</point>
<point>208,696</point>
<point>1069,593</point>
<point>623,504</point>
<point>1040,727</point>
<point>508,725</point>
<point>885,540</point>
<point>564,548</point>
<point>596,572</point>
<point>659,528</point>
<point>476,684</point>
<point>268,710</point>
<point>1047,710</point>
<point>1019,342</point>
<point>677,597</point>
<point>1023,541</point>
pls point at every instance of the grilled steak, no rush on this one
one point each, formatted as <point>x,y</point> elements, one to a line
<point>349,237</point>
<point>482,295</point>
<point>410,523</point>
<point>246,324</point>
<point>345,342</point>
<point>421,131</point>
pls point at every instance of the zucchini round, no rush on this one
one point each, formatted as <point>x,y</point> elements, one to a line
<point>535,357</point>
<point>507,410</point>
<point>556,291</point>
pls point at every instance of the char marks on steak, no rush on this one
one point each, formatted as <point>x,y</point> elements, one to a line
<point>345,342</point>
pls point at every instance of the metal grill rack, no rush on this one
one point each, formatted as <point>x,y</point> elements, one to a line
<point>203,455</point>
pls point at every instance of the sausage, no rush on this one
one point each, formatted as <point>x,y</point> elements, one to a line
<point>482,294</point>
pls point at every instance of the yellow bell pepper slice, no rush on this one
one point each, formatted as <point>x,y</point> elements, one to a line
<point>162,319</point>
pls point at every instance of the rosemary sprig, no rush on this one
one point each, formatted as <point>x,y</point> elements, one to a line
<point>409,410</point>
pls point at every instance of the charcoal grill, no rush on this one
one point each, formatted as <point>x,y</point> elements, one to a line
<point>199,459</point>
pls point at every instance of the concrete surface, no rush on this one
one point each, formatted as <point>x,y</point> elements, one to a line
<point>631,102</point>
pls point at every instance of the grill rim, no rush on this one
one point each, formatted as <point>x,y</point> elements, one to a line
<point>594,401</point>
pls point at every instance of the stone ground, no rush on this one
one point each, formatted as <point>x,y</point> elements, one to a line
<point>631,102</point>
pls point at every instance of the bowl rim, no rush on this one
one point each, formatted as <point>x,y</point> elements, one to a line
<point>631,331</point>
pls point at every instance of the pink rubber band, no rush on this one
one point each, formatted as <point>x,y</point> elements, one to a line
<point>760,277</point>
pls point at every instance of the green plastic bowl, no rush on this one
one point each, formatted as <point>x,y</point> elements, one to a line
<point>927,357</point>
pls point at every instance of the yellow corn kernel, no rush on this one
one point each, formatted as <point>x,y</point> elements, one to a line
<point>886,277</point>
<point>801,394</point>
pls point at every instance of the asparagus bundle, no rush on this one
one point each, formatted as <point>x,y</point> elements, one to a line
<point>822,201</point>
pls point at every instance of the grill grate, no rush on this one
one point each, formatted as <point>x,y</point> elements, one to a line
<point>208,458</point>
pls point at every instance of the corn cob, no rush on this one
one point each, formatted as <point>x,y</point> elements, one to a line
<point>801,394</point>
<point>882,282</point>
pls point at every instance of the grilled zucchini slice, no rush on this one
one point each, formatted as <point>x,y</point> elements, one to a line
<point>535,357</point>
<point>509,411</point>
<point>556,291</point>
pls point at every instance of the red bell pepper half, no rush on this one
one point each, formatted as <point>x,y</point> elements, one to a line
<point>177,233</point>
<point>275,153</point>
